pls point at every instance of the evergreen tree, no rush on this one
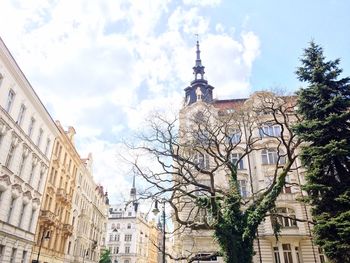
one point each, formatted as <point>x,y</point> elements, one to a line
<point>324,108</point>
<point>106,256</point>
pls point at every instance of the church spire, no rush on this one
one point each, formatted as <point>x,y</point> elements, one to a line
<point>133,194</point>
<point>199,89</point>
<point>133,189</point>
<point>198,69</point>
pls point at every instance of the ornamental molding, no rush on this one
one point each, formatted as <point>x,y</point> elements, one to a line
<point>4,128</point>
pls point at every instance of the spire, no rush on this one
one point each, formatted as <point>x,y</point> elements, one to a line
<point>133,189</point>
<point>198,69</point>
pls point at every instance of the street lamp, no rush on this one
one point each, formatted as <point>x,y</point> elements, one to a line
<point>155,212</point>
<point>46,237</point>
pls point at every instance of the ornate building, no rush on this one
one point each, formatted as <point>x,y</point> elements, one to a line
<point>27,135</point>
<point>89,217</point>
<point>253,171</point>
<point>55,221</point>
<point>131,238</point>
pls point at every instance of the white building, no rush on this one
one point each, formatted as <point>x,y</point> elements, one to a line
<point>254,172</point>
<point>130,237</point>
<point>27,134</point>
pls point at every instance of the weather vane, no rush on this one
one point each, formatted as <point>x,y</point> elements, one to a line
<point>197,36</point>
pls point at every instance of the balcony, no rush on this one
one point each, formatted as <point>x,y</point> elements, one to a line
<point>47,217</point>
<point>67,229</point>
<point>288,197</point>
<point>62,195</point>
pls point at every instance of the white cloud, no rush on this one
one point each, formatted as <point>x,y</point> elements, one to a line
<point>202,2</point>
<point>103,66</point>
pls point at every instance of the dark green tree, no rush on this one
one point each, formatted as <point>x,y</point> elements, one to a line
<point>105,256</point>
<point>324,107</point>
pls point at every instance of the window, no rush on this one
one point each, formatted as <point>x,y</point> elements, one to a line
<point>13,255</point>
<point>31,175</point>
<point>129,214</point>
<point>1,79</point>
<point>287,253</point>
<point>128,238</point>
<point>321,254</point>
<point>202,160</point>
<point>235,137</point>
<point>116,237</point>
<point>212,258</point>
<point>242,184</point>
<point>21,113</point>
<point>12,204</point>
<point>298,255</point>
<point>287,189</point>
<point>40,180</point>
<point>202,137</point>
<point>129,226</point>
<point>10,155</point>
<point>270,131</point>
<point>24,256</point>
<point>22,163</point>
<point>116,250</point>
<point>22,215</point>
<point>31,220</point>
<point>69,246</point>
<point>271,156</point>
<point>31,126</point>
<point>285,217</point>
<point>235,159</point>
<point>10,99</point>
<point>276,255</point>
<point>48,142</point>
<point>127,250</point>
<point>2,252</point>
<point>40,135</point>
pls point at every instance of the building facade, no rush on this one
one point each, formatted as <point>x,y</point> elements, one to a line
<point>55,220</point>
<point>254,171</point>
<point>27,135</point>
<point>89,217</point>
<point>131,238</point>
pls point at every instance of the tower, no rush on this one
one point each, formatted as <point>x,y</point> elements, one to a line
<point>199,89</point>
<point>133,195</point>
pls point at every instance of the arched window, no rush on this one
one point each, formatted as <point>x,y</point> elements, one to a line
<point>284,216</point>
<point>118,226</point>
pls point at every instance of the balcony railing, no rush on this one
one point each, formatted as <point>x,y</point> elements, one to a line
<point>62,195</point>
<point>47,216</point>
<point>68,229</point>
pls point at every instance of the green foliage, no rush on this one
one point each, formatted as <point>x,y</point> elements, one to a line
<point>105,256</point>
<point>324,106</point>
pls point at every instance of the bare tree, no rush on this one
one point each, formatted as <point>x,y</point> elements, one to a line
<point>198,156</point>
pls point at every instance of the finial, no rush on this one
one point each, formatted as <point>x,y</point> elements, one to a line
<point>198,69</point>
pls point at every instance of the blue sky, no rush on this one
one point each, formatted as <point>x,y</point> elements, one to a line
<point>103,66</point>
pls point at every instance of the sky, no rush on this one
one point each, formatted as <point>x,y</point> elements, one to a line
<point>102,66</point>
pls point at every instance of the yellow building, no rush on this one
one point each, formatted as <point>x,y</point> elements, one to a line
<point>55,220</point>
